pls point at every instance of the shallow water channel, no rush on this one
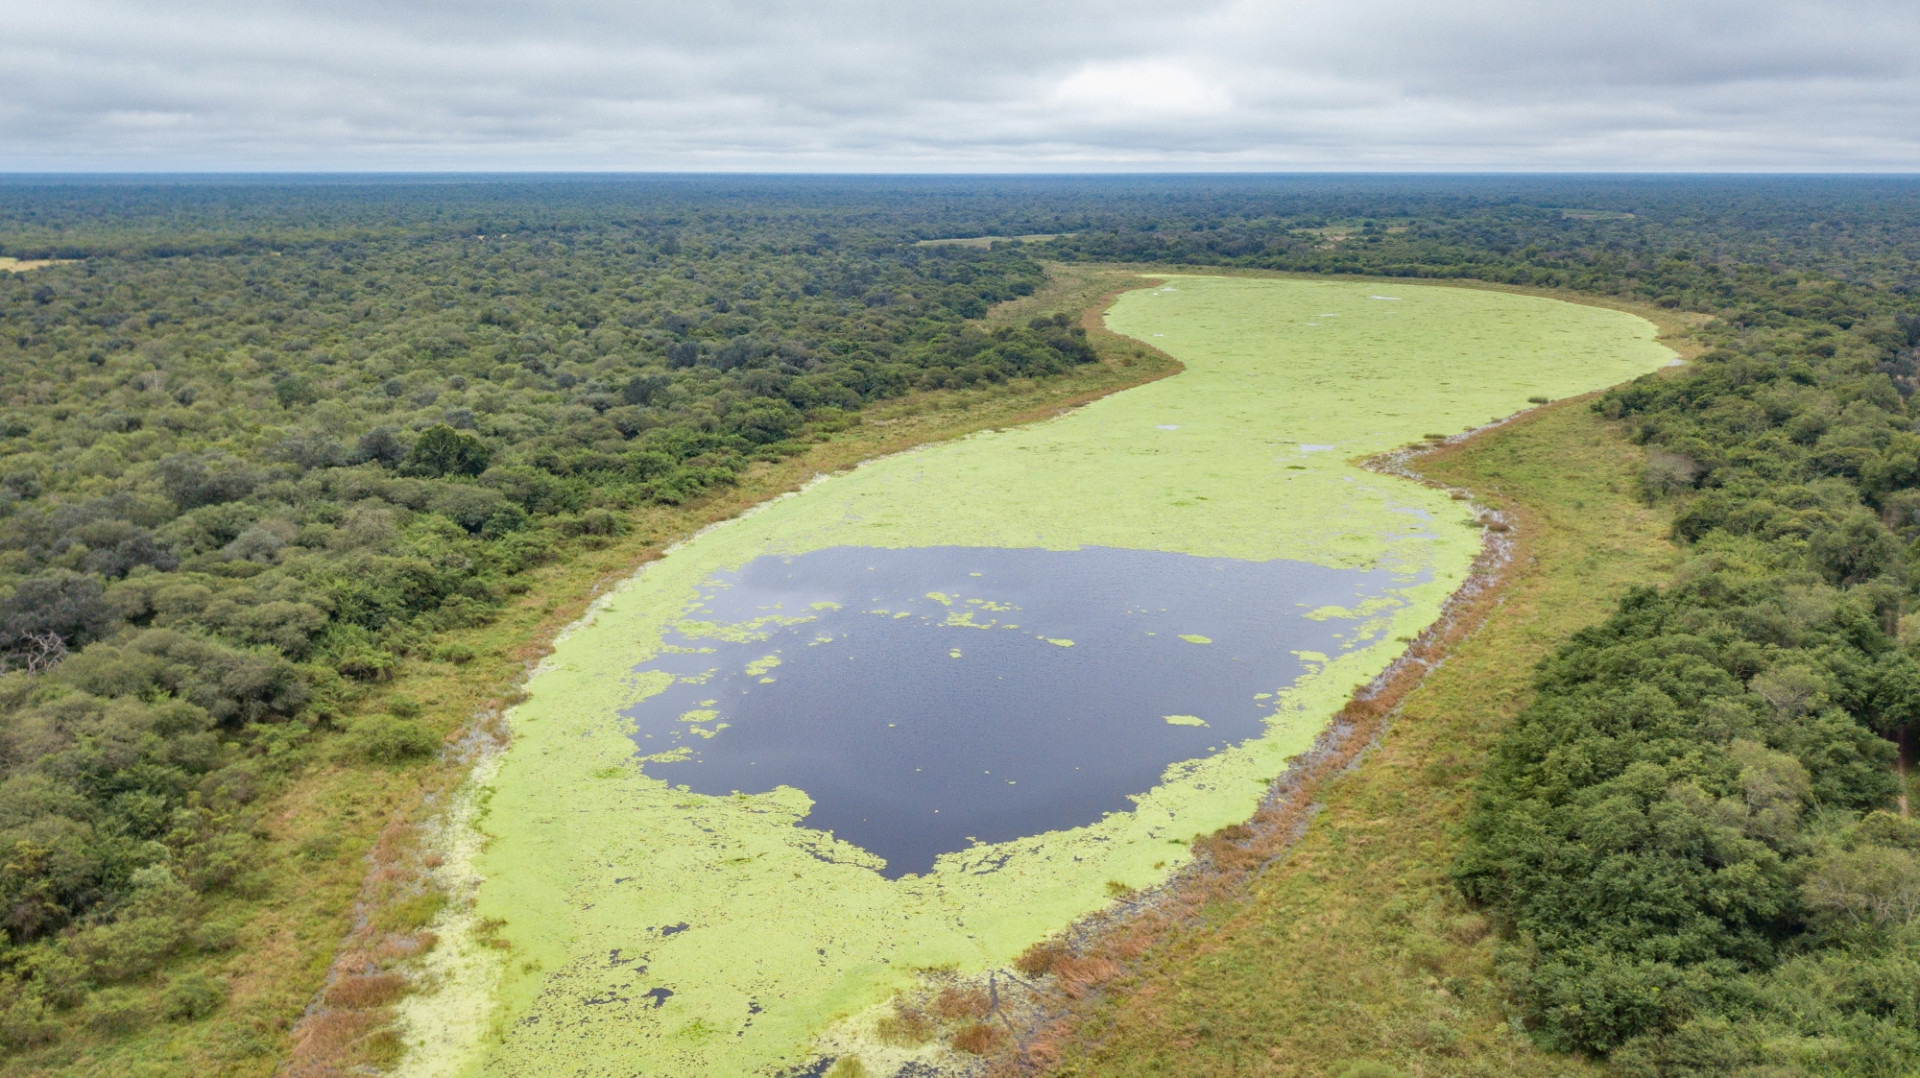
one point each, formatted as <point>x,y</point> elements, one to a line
<point>931,698</point>
<point>810,754</point>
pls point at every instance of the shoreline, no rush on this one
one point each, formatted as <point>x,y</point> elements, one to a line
<point>1099,949</point>
<point>329,1031</point>
<point>1351,729</point>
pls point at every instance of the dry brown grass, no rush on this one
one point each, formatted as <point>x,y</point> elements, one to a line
<point>954,1003</point>
<point>1039,959</point>
<point>322,1041</point>
<point>978,1039</point>
<point>363,992</point>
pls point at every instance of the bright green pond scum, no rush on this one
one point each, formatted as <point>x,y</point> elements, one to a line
<point>654,931</point>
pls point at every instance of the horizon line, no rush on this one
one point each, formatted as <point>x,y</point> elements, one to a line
<point>1169,173</point>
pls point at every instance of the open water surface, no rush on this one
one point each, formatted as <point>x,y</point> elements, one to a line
<point>928,698</point>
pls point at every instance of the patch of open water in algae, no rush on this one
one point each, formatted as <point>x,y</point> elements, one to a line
<point>655,929</point>
<point>930,698</point>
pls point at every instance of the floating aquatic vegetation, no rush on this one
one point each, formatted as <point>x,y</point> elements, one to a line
<point>658,929</point>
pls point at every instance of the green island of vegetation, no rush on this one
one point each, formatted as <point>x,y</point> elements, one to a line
<point>296,478</point>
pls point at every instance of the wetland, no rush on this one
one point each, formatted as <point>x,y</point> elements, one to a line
<point>706,847</point>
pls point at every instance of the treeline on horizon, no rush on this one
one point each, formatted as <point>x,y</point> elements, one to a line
<point>260,440</point>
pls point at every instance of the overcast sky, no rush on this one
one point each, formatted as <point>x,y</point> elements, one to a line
<point>991,85</point>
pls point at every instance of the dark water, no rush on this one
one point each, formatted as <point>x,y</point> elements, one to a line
<point>910,752</point>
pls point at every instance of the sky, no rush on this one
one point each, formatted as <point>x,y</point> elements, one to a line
<point>960,85</point>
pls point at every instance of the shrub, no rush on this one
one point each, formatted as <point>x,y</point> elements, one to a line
<point>116,1011</point>
<point>457,654</point>
<point>389,739</point>
<point>131,947</point>
<point>60,602</point>
<point>24,1021</point>
<point>1669,473</point>
<point>764,420</point>
<point>192,995</point>
<point>215,937</point>
<point>1869,887</point>
<point>907,1026</point>
<point>219,861</point>
<point>592,522</point>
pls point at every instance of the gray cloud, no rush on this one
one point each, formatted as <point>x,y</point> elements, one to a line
<point>985,84</point>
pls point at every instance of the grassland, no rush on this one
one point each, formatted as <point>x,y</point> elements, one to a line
<point>22,265</point>
<point>1355,948</point>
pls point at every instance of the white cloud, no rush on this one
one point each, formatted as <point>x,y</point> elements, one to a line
<point>1129,89</point>
<point>972,84</point>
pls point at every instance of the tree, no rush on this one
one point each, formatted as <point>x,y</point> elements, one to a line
<point>445,451</point>
<point>381,445</point>
<point>61,603</point>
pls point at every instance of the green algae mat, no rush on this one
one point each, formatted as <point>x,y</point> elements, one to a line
<point>622,924</point>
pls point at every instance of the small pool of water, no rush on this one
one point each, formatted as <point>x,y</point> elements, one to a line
<point>930,698</point>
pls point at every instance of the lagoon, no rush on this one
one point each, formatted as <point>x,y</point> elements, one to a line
<point>933,698</point>
<point>657,921</point>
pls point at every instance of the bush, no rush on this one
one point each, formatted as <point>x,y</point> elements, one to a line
<point>457,654</point>
<point>24,1020</point>
<point>116,1011</point>
<point>389,739</point>
<point>131,947</point>
<point>216,937</point>
<point>192,995</point>
<point>592,522</point>
<point>359,993</point>
<point>1039,959</point>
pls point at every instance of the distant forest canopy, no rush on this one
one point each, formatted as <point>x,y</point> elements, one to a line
<point>262,438</point>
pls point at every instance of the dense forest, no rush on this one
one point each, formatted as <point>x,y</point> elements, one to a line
<point>242,474</point>
<point>260,439</point>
